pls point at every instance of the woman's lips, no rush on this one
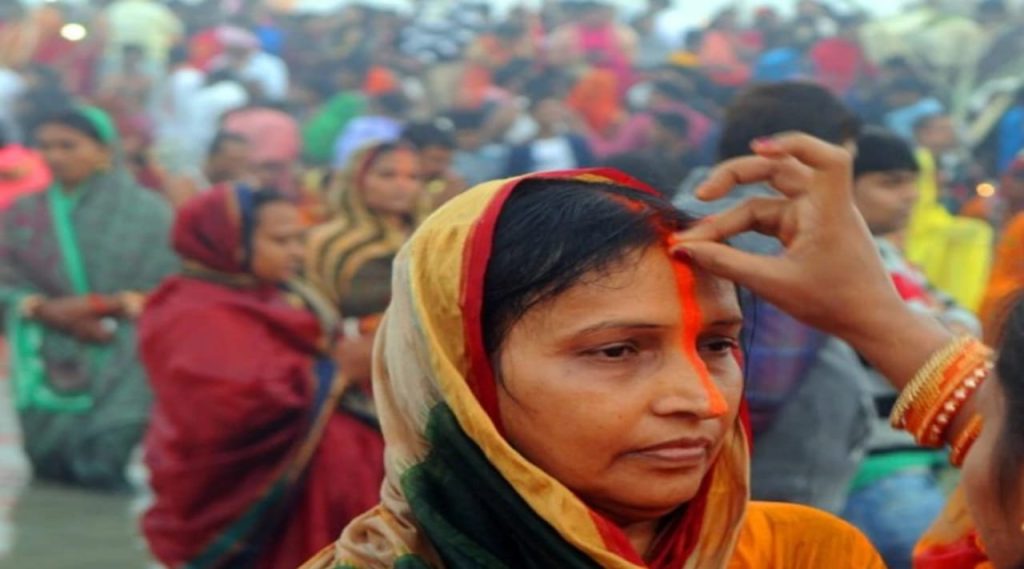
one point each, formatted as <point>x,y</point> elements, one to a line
<point>678,452</point>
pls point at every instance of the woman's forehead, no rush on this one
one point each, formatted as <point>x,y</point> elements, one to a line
<point>644,286</point>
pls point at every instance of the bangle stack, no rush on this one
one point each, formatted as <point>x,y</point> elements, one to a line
<point>964,441</point>
<point>933,400</point>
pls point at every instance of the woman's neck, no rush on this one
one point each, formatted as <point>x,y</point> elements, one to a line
<point>395,221</point>
<point>641,535</point>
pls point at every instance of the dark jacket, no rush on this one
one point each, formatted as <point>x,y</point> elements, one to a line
<point>520,160</point>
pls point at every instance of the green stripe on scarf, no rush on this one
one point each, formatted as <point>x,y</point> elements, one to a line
<point>472,515</point>
<point>406,562</point>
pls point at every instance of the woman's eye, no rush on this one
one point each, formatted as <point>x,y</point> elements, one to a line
<point>614,353</point>
<point>719,345</point>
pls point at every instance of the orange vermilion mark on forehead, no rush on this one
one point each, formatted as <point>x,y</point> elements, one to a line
<point>692,319</point>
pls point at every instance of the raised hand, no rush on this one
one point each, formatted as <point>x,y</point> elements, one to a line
<point>829,275</point>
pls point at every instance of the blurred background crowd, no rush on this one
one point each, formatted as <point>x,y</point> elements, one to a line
<point>414,102</point>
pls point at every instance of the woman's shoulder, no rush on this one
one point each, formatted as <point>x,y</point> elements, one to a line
<point>791,536</point>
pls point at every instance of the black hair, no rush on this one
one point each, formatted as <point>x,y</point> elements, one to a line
<point>512,71</point>
<point>644,167</point>
<point>437,133</point>
<point>357,64</point>
<point>222,139</point>
<point>792,106</point>
<point>74,119</point>
<point>552,234</point>
<point>880,150</point>
<point>265,197</point>
<point>466,119</point>
<point>394,103</point>
<point>670,89</point>
<point>1009,455</point>
<point>542,88</point>
<point>673,121</point>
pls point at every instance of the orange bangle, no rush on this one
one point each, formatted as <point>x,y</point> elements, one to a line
<point>938,382</point>
<point>98,305</point>
<point>941,417</point>
<point>965,440</point>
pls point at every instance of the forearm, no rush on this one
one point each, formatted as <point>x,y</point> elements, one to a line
<point>897,341</point>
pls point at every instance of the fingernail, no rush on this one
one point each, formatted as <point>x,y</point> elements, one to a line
<point>765,144</point>
<point>682,255</point>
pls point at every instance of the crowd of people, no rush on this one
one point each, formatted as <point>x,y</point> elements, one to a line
<point>284,275</point>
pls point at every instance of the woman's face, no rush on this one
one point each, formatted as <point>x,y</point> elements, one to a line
<point>393,183</point>
<point>601,391</point>
<point>997,517</point>
<point>72,155</point>
<point>278,242</point>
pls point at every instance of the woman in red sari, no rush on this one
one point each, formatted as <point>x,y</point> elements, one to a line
<point>246,404</point>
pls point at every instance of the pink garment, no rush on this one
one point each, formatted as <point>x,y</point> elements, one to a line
<point>22,172</point>
<point>604,45</point>
<point>838,63</point>
<point>720,56</point>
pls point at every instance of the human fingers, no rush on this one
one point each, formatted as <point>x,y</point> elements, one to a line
<point>809,150</point>
<point>762,214</point>
<point>784,173</point>
<point>761,274</point>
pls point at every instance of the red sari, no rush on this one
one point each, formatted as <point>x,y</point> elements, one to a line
<point>252,463</point>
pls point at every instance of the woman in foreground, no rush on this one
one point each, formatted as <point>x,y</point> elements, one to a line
<point>245,403</point>
<point>555,390</point>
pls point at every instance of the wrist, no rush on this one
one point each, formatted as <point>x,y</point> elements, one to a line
<point>100,305</point>
<point>30,306</point>
<point>896,340</point>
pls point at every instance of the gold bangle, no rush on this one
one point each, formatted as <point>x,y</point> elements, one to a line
<point>924,382</point>
<point>965,440</point>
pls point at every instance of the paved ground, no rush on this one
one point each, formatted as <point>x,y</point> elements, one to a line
<point>61,528</point>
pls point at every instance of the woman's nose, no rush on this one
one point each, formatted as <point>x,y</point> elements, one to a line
<point>685,386</point>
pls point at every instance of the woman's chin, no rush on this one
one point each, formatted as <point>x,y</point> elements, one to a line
<point>645,504</point>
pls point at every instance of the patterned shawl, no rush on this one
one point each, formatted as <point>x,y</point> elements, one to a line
<point>456,490</point>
